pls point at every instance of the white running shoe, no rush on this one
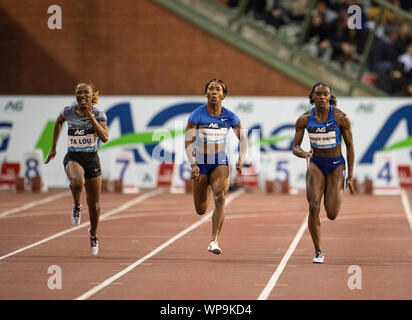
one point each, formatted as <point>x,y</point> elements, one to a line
<point>94,244</point>
<point>76,214</point>
<point>214,247</point>
<point>318,257</point>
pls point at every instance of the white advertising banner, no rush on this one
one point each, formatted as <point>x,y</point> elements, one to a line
<point>152,129</point>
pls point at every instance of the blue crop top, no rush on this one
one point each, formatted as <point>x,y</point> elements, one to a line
<point>323,135</point>
<point>213,129</point>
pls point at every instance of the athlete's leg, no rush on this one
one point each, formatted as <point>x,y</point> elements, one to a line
<point>93,186</point>
<point>219,181</point>
<point>334,192</point>
<point>75,173</point>
<point>201,193</point>
<point>315,186</point>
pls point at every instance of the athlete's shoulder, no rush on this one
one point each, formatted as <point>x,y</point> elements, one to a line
<point>303,119</point>
<point>338,112</point>
<point>69,108</point>
<point>99,114</point>
<point>228,112</point>
<point>196,114</point>
<point>199,109</point>
<point>68,111</point>
<point>341,117</point>
<point>234,119</point>
<point>97,109</point>
<point>305,115</point>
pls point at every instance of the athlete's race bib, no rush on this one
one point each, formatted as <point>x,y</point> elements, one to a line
<point>322,137</point>
<point>81,140</point>
<point>212,133</point>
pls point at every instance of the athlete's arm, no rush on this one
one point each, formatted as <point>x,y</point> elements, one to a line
<point>101,129</point>
<point>240,133</point>
<point>56,134</point>
<point>346,131</point>
<point>300,126</point>
<point>190,136</point>
<point>99,126</point>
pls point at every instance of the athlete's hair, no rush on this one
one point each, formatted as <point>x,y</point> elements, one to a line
<point>332,100</point>
<point>224,87</point>
<point>95,98</point>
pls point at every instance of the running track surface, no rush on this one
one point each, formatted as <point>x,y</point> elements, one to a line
<point>267,249</point>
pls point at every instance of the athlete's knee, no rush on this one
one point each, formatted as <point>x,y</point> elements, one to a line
<point>201,210</point>
<point>93,205</point>
<point>332,214</point>
<point>76,183</point>
<point>314,206</point>
<point>220,198</point>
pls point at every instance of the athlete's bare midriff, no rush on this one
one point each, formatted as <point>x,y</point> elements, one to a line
<point>210,148</point>
<point>328,153</point>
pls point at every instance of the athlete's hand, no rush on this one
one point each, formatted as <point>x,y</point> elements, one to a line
<point>308,155</point>
<point>90,111</point>
<point>239,166</point>
<point>50,156</point>
<point>350,185</point>
<point>195,171</point>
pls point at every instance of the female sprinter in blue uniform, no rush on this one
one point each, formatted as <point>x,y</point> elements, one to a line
<point>208,126</point>
<point>325,174</point>
<point>86,124</point>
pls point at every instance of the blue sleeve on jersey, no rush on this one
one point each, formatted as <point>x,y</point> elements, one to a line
<point>235,121</point>
<point>194,117</point>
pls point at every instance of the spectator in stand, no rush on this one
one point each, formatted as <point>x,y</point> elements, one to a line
<point>347,44</point>
<point>258,7</point>
<point>406,59</point>
<point>396,79</point>
<point>316,38</point>
<point>328,14</point>
<point>384,51</point>
<point>388,16</point>
<point>406,62</point>
<point>404,37</point>
<point>406,5</point>
<point>298,9</point>
<point>277,16</point>
<point>408,90</point>
<point>233,3</point>
<point>391,81</point>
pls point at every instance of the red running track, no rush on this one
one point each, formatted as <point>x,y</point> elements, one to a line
<point>371,232</point>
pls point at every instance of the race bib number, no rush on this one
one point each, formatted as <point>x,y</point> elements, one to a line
<point>81,140</point>
<point>213,134</point>
<point>322,137</point>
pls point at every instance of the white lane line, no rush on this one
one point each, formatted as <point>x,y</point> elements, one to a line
<point>35,203</point>
<point>102,217</point>
<point>272,281</point>
<point>110,280</point>
<point>406,206</point>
